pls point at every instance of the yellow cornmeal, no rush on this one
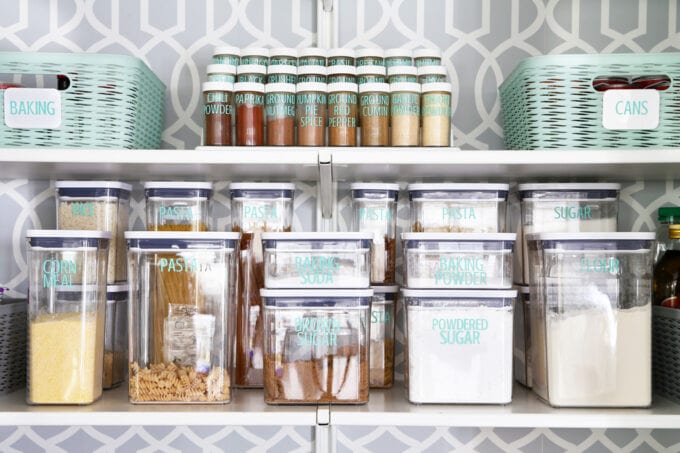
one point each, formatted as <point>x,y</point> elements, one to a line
<point>66,354</point>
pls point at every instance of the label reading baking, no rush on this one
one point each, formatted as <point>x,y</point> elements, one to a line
<point>630,109</point>
<point>375,215</point>
<point>458,213</point>
<point>604,265</point>
<point>183,265</point>
<point>573,212</point>
<point>260,212</point>
<point>176,213</point>
<point>316,270</point>
<point>83,209</point>
<point>460,271</point>
<point>460,331</point>
<point>58,273</point>
<point>380,317</point>
<point>32,108</point>
<point>317,331</point>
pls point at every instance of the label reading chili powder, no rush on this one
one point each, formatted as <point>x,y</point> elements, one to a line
<point>460,271</point>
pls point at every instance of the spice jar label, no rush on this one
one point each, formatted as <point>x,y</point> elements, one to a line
<point>374,104</point>
<point>249,99</point>
<point>405,104</point>
<point>314,270</point>
<point>630,109</point>
<point>460,331</point>
<point>32,108</point>
<point>280,105</point>
<point>312,331</point>
<point>436,104</point>
<point>460,271</point>
<point>58,273</point>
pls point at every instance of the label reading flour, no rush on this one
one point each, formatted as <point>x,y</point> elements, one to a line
<point>32,108</point>
<point>630,109</point>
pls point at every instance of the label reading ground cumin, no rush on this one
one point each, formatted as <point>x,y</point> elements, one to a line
<point>375,104</point>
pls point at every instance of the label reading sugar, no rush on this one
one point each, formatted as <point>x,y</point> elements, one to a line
<point>572,212</point>
<point>315,270</point>
<point>604,265</point>
<point>58,273</point>
<point>460,271</point>
<point>460,331</point>
<point>317,331</point>
<point>32,108</point>
<point>630,109</point>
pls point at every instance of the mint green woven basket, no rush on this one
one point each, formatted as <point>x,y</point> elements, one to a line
<point>550,102</point>
<point>113,101</point>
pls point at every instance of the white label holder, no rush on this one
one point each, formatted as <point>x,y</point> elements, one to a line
<point>630,109</point>
<point>32,108</point>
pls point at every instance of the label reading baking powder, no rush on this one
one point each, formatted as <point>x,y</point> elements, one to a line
<point>32,108</point>
<point>460,271</point>
<point>630,109</point>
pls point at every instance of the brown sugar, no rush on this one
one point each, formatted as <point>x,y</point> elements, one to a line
<point>249,102</point>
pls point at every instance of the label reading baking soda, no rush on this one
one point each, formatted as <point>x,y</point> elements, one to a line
<point>317,331</point>
<point>460,271</point>
<point>58,273</point>
<point>316,270</point>
<point>463,331</point>
<point>32,108</point>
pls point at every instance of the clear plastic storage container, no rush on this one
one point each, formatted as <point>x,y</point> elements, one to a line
<point>255,208</point>
<point>317,260</point>
<point>316,346</point>
<point>458,208</point>
<point>98,206</point>
<point>66,315</point>
<point>383,312</point>
<point>521,349</point>
<point>178,206</point>
<point>459,346</point>
<point>592,345</point>
<point>115,336</point>
<point>458,260</point>
<point>182,298</point>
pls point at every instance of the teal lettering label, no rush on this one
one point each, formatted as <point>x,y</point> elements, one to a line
<point>436,104</point>
<point>253,59</point>
<point>311,61</point>
<point>632,108</point>
<point>260,212</point>
<point>226,59</point>
<point>183,265</point>
<point>58,273</point>
<point>458,213</point>
<point>288,61</point>
<point>280,105</point>
<point>370,61</point>
<point>432,78</point>
<point>398,61</point>
<point>341,61</point>
<point>176,213</point>
<point>248,99</point>
<point>34,108</point>
<point>341,78</point>
<point>380,317</point>
<point>83,209</point>
<point>572,212</point>
<point>217,96</point>
<point>218,109</point>
<point>460,331</point>
<point>403,78</point>
<point>405,104</point>
<point>602,265</point>
<point>282,78</point>
<point>312,78</point>
<point>317,270</point>
<point>374,104</point>
<point>221,78</point>
<point>371,78</point>
<point>317,331</point>
<point>460,271</point>
<point>375,215</point>
<point>254,78</point>
<point>310,108</point>
<point>428,62</point>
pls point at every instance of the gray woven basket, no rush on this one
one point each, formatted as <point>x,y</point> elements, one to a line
<point>666,352</point>
<point>13,333</point>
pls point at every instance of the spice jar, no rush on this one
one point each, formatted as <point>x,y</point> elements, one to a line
<point>182,299</point>
<point>431,74</point>
<point>371,74</point>
<point>218,111</point>
<point>374,210</point>
<point>399,74</point>
<point>66,311</point>
<point>341,74</point>
<point>227,55</point>
<point>311,73</point>
<point>178,206</point>
<point>316,346</point>
<point>97,206</point>
<point>221,73</point>
<point>398,57</point>
<point>370,57</point>
<point>436,112</point>
<point>341,57</point>
<point>255,208</point>
<point>427,57</point>
<point>342,114</point>
<point>374,114</point>
<point>255,56</point>
<point>311,113</point>
<point>283,56</point>
<point>311,56</point>
<point>115,336</point>
<point>251,73</point>
<point>282,74</point>
<point>249,102</point>
<point>280,109</point>
<point>405,113</point>
<point>381,359</point>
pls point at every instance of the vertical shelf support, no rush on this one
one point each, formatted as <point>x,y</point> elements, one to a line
<point>327,23</point>
<point>324,432</point>
<point>327,196</point>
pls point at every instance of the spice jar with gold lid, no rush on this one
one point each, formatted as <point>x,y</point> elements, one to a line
<point>374,114</point>
<point>280,109</point>
<point>342,114</point>
<point>311,113</point>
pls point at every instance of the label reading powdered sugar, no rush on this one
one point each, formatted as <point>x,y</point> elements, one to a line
<point>460,331</point>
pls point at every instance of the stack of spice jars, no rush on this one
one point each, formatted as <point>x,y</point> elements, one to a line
<point>458,297</point>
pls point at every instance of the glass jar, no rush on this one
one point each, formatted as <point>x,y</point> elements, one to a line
<point>341,57</point>
<point>398,57</point>
<point>316,346</point>
<point>427,57</point>
<point>341,74</point>
<point>98,206</point>
<point>227,55</point>
<point>311,113</point>
<point>66,315</point>
<point>374,210</point>
<point>115,336</point>
<point>311,73</point>
<point>383,313</point>
<point>405,114</point>
<point>280,109</point>
<point>178,206</point>
<point>374,114</point>
<point>218,113</point>
<point>431,74</point>
<point>436,113</point>
<point>667,216</point>
<point>255,56</point>
<point>251,73</point>
<point>399,74</point>
<point>255,208</point>
<point>370,57</point>
<point>221,73</point>
<point>182,299</point>
<point>371,74</point>
<point>311,56</point>
<point>283,56</point>
<point>249,103</point>
<point>342,114</point>
<point>282,74</point>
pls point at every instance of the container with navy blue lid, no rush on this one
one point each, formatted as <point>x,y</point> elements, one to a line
<point>382,317</point>
<point>458,207</point>
<point>182,301</point>
<point>591,314</point>
<point>101,206</point>
<point>458,260</point>
<point>178,205</point>
<point>316,345</point>
<point>115,336</point>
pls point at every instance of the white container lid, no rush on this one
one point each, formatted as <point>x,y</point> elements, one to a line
<point>120,288</point>
<point>283,52</point>
<point>227,50</point>
<point>93,185</point>
<point>255,52</point>
<point>183,235</point>
<point>218,86</point>
<point>389,53</point>
<point>343,86</point>
<point>341,69</point>
<point>311,87</point>
<point>460,293</point>
<point>459,237</point>
<point>317,236</point>
<point>452,187</point>
<point>70,234</point>
<point>436,86</point>
<point>369,52</point>
<point>316,293</point>
<point>282,69</point>
<point>592,236</point>
<point>432,70</point>
<point>221,69</point>
<point>374,186</point>
<point>261,186</point>
<point>312,52</point>
<point>249,86</point>
<point>408,87</point>
<point>280,88</point>
<point>567,186</point>
<point>371,70</point>
<point>402,70</point>
<point>374,87</point>
<point>385,289</point>
<point>340,52</point>
<point>251,69</point>
<point>178,185</point>
<point>312,69</point>
<point>427,53</point>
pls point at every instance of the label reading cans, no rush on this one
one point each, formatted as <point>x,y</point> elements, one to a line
<point>630,109</point>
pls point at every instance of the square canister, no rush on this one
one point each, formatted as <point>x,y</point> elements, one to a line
<point>99,206</point>
<point>182,299</point>
<point>317,260</point>
<point>458,208</point>
<point>594,294</point>
<point>316,346</point>
<point>521,349</point>
<point>115,336</point>
<point>255,209</point>
<point>459,346</point>
<point>383,313</point>
<point>66,315</point>
<point>374,210</point>
<point>458,260</point>
<point>178,206</point>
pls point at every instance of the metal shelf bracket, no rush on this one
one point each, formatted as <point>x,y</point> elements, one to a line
<point>327,23</point>
<point>327,202</point>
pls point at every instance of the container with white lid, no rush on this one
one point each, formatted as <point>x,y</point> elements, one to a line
<point>398,57</point>
<point>251,73</point>
<point>255,56</point>
<point>221,73</point>
<point>405,114</point>
<point>371,74</point>
<point>343,112</point>
<point>316,260</point>
<point>521,350</point>
<point>316,346</point>
<point>178,205</point>
<point>341,57</point>
<point>398,74</point>
<point>370,57</point>
<point>341,74</point>
<point>227,55</point>
<point>458,260</point>
<point>564,207</point>
<point>115,336</point>
<point>279,56</point>
<point>383,313</point>
<point>459,346</point>
<point>282,74</point>
<point>432,74</point>
<point>312,56</point>
<point>311,73</point>
<point>427,57</point>
<point>458,207</point>
<point>101,206</point>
